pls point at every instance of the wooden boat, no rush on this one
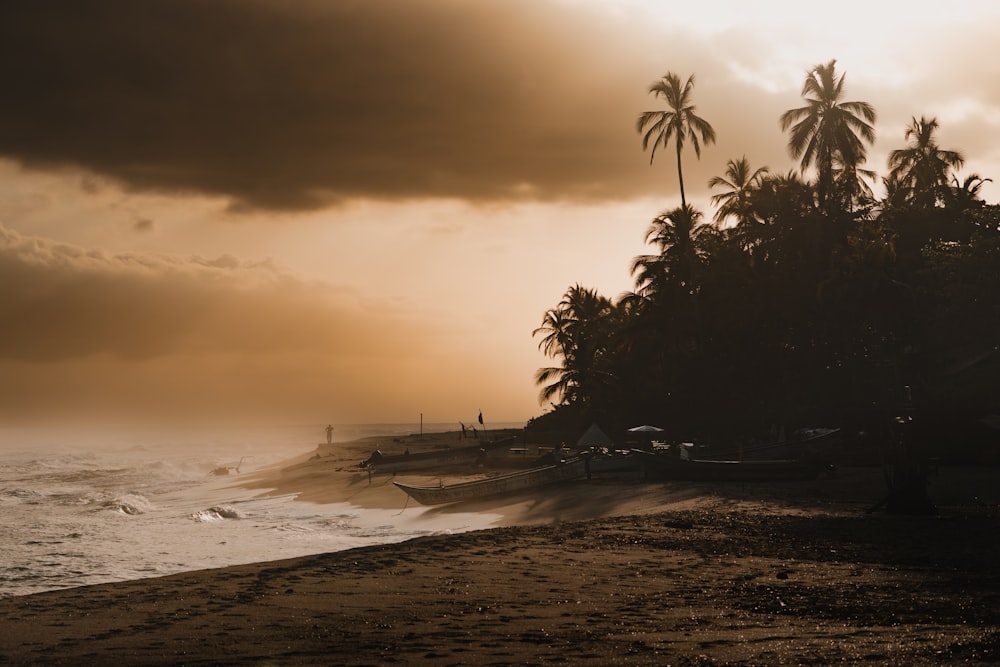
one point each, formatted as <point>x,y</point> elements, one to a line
<point>666,466</point>
<point>489,487</point>
<point>804,443</point>
<point>612,462</point>
<point>438,458</point>
<point>520,457</point>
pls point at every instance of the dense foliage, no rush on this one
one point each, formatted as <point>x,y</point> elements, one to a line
<point>806,301</point>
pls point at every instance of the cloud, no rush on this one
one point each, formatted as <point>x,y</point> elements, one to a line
<point>60,301</point>
<point>299,105</point>
<point>92,335</point>
<point>141,333</point>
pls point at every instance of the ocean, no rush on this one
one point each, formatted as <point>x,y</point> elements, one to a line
<point>91,507</point>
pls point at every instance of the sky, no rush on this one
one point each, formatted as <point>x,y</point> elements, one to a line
<point>301,211</point>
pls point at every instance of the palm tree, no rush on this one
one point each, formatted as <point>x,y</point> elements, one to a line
<point>555,332</point>
<point>895,192</point>
<point>827,132</point>
<point>850,183</point>
<point>923,168</point>
<point>682,239</point>
<point>678,121</point>
<point>742,182</point>
<point>777,201</point>
<point>964,195</point>
<point>577,331</point>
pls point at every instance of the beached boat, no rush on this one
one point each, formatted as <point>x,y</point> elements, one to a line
<point>804,443</point>
<point>603,461</point>
<point>438,458</point>
<point>667,466</point>
<point>497,485</point>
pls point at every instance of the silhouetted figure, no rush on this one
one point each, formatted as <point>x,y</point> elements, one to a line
<point>329,434</point>
<point>558,453</point>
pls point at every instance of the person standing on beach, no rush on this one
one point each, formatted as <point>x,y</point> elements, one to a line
<point>329,434</point>
<point>558,452</point>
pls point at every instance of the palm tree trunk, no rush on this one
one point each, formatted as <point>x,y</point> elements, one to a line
<point>680,174</point>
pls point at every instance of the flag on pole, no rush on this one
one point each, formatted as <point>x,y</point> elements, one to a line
<point>480,416</point>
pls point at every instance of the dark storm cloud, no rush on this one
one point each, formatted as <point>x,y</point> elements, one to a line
<point>295,105</point>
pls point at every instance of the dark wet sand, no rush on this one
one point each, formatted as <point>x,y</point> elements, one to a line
<point>658,574</point>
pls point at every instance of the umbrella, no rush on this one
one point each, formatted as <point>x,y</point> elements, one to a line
<point>645,429</point>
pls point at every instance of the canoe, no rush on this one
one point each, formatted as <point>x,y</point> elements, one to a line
<point>666,466</point>
<point>438,458</point>
<point>498,485</point>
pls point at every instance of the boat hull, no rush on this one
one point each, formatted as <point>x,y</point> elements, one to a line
<point>776,470</point>
<point>497,486</point>
<point>614,463</point>
<point>458,456</point>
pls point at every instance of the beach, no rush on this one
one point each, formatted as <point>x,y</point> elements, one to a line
<point>605,571</point>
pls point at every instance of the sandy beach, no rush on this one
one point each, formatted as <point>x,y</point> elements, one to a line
<point>606,571</point>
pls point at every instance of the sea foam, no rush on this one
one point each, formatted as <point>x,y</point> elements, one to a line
<point>218,514</point>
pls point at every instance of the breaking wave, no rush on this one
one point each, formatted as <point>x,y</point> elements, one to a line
<point>129,504</point>
<point>218,513</point>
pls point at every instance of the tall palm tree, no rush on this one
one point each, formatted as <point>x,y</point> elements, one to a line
<point>923,167</point>
<point>827,131</point>
<point>678,121</point>
<point>741,183</point>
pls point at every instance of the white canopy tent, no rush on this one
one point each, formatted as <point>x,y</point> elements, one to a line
<point>594,437</point>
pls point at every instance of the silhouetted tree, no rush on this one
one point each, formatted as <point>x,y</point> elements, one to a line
<point>828,132</point>
<point>782,205</point>
<point>817,307</point>
<point>679,121</point>
<point>579,332</point>
<point>682,240</point>
<point>850,186</point>
<point>964,195</point>
<point>741,182</point>
<point>923,169</point>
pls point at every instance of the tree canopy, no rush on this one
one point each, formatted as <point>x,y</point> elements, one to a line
<point>806,301</point>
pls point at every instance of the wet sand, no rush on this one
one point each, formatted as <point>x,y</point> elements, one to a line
<point>607,571</point>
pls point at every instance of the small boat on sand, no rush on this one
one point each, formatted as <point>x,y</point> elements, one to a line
<point>604,461</point>
<point>666,466</point>
<point>438,458</point>
<point>498,485</point>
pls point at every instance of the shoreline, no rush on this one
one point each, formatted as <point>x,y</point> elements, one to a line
<point>600,572</point>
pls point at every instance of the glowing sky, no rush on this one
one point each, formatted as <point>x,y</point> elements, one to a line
<point>359,211</point>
